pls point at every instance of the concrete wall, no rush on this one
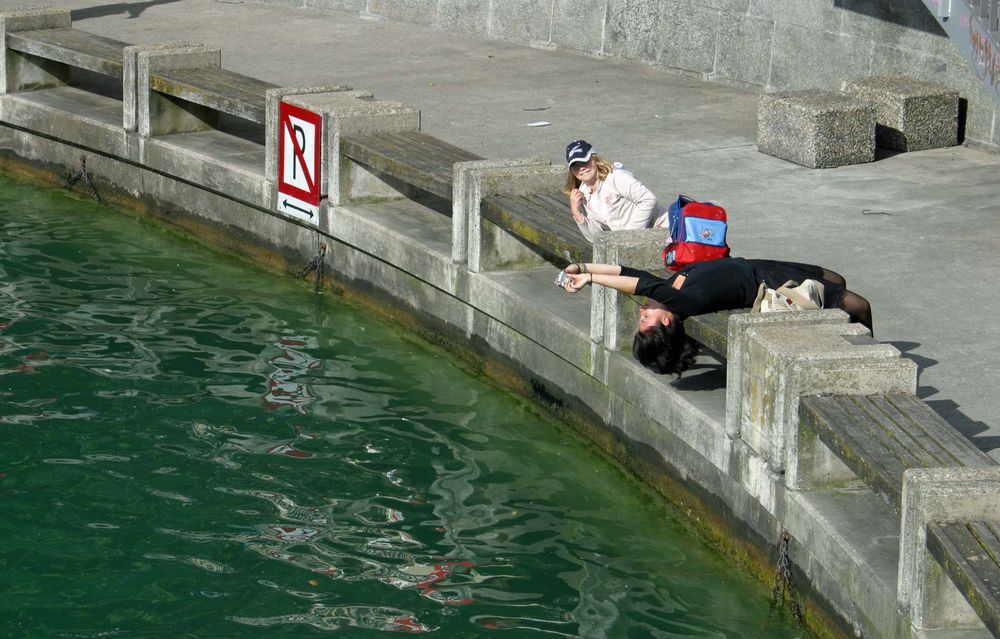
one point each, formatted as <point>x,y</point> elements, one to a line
<point>776,45</point>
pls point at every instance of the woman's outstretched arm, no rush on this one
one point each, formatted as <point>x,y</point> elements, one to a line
<point>579,275</point>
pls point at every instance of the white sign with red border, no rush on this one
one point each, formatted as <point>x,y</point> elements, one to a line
<point>299,139</point>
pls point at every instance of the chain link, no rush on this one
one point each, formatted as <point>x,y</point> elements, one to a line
<point>784,582</point>
<point>75,177</point>
<point>315,265</point>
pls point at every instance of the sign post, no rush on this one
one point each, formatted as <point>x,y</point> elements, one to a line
<point>299,140</point>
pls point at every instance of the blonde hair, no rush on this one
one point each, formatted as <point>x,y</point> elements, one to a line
<point>603,169</point>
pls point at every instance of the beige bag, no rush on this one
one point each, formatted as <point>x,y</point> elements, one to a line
<point>790,296</point>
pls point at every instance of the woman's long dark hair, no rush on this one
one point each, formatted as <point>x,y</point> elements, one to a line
<point>665,349</point>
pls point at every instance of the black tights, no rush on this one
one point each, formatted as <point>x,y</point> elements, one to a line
<point>853,304</point>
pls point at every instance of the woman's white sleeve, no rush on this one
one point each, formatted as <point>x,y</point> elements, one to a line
<point>588,230</point>
<point>641,206</point>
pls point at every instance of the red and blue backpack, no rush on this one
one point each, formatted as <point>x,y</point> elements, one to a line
<point>697,233</point>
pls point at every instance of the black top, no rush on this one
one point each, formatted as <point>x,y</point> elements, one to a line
<point>726,284</point>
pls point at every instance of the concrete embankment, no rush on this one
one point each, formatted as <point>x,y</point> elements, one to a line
<point>201,146</point>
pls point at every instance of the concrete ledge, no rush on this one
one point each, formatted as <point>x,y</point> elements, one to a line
<point>483,245</point>
<point>198,158</point>
<point>272,102</point>
<point>355,113</point>
<point>787,361</point>
<point>130,77</point>
<point>86,119</point>
<point>21,73</point>
<point>855,542</point>
<point>817,129</point>
<point>738,358</point>
<point>936,495</point>
<point>614,316</point>
<point>158,114</point>
<point>910,115</point>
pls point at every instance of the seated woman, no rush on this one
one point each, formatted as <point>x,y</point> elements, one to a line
<point>661,344</point>
<point>603,197</point>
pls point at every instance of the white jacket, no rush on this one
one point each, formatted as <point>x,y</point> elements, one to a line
<point>620,202</point>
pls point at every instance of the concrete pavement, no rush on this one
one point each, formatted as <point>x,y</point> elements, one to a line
<point>918,234</point>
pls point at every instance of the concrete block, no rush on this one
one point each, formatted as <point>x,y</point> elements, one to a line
<point>130,77</point>
<point>785,362</point>
<point>910,115</point>
<point>346,113</point>
<point>470,183</point>
<point>851,540</point>
<point>158,114</point>
<point>614,316</point>
<point>737,355</point>
<point>25,73</point>
<point>817,129</point>
<point>272,102</point>
<point>939,495</point>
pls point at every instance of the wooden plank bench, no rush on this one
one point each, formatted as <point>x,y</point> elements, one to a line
<point>711,331</point>
<point>541,220</point>
<point>73,48</point>
<point>879,437</point>
<point>411,157</point>
<point>215,88</point>
<point>969,553</point>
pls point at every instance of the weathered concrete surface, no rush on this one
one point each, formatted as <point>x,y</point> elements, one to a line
<point>911,115</point>
<point>817,129</point>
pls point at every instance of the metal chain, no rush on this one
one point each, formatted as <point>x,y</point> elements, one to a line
<point>784,582</point>
<point>315,265</point>
<point>82,174</point>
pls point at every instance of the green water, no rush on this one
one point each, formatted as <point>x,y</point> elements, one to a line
<point>192,447</point>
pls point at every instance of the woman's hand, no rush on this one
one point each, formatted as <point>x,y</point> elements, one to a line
<point>575,281</point>
<point>576,200</point>
<point>574,268</point>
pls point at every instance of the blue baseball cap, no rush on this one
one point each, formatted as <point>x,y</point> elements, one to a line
<point>579,151</point>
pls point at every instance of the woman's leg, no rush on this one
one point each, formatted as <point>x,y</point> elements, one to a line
<point>858,308</point>
<point>834,278</point>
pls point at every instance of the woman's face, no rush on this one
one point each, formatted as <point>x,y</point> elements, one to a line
<point>586,172</point>
<point>650,317</point>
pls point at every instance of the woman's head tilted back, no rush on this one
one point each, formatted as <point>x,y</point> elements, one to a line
<point>579,152</point>
<point>665,348</point>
